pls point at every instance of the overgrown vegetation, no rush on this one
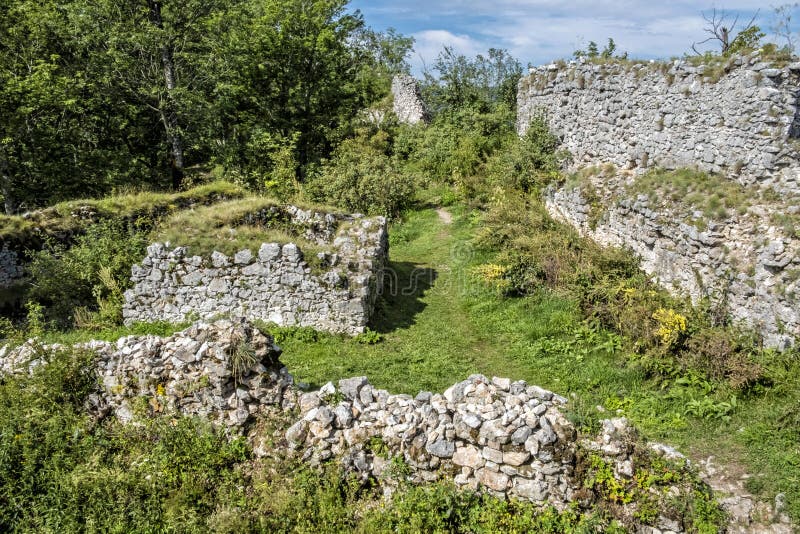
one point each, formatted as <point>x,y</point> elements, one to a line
<point>229,227</point>
<point>517,293</point>
<point>716,196</point>
<point>142,209</point>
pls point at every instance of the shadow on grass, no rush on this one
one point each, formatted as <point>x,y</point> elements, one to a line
<point>404,285</point>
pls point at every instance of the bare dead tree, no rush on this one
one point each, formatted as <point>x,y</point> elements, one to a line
<point>719,30</point>
<point>782,25</point>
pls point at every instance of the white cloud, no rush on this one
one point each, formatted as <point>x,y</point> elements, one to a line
<point>429,43</point>
<point>539,31</point>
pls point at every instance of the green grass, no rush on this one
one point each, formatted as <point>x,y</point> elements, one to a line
<point>455,327</point>
<point>229,227</point>
<point>160,328</point>
<point>144,205</point>
<point>447,330</point>
<point>716,196</point>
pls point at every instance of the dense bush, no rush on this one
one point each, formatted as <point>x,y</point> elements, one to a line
<point>362,177</point>
<point>61,471</point>
<point>527,163</point>
<point>456,144</point>
<point>91,275</point>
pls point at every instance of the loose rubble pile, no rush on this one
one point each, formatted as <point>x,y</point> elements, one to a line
<point>225,372</point>
<point>506,438</point>
<point>275,283</point>
<point>509,439</point>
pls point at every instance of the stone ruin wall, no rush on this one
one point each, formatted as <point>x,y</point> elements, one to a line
<point>499,436</point>
<point>275,283</point>
<point>408,104</point>
<point>507,438</point>
<point>743,126</point>
<point>10,267</point>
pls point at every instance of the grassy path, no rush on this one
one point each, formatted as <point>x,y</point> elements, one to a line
<point>439,326</point>
<point>429,340</point>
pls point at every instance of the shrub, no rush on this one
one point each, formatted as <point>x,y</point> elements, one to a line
<point>456,144</point>
<point>64,472</point>
<point>723,354</point>
<point>671,326</point>
<point>92,274</point>
<point>362,178</point>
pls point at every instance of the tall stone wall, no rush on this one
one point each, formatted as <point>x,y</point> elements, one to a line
<point>748,265</point>
<point>408,104</point>
<point>275,283</point>
<point>744,125</point>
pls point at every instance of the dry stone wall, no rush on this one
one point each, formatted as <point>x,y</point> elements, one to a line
<point>10,267</point>
<point>499,436</point>
<point>744,125</point>
<point>508,437</point>
<point>275,283</point>
<point>502,437</point>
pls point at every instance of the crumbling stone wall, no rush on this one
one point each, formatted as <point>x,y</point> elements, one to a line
<point>744,125</point>
<point>408,104</point>
<point>747,265</point>
<point>275,283</point>
<point>225,372</point>
<point>10,267</point>
<point>506,438</point>
<point>499,436</point>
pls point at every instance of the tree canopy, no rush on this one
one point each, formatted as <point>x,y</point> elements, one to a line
<point>102,94</point>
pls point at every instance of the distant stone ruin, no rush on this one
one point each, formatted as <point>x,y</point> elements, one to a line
<point>334,290</point>
<point>741,121</point>
<point>408,104</point>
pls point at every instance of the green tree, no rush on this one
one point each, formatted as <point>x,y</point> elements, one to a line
<point>39,104</point>
<point>483,82</point>
<point>292,70</point>
<point>156,56</point>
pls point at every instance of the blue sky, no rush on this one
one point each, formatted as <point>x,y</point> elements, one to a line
<point>539,31</point>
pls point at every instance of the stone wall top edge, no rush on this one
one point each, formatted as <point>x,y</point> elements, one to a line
<point>752,62</point>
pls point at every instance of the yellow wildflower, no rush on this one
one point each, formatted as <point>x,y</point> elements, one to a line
<point>671,325</point>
